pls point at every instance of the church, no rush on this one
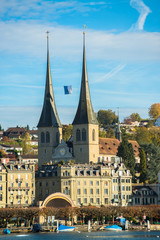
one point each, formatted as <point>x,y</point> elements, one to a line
<point>96,183</point>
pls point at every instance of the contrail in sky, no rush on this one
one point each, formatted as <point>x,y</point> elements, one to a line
<point>143,10</point>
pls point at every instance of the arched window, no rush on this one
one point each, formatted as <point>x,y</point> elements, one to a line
<point>57,137</point>
<point>93,135</point>
<point>78,135</point>
<point>83,134</point>
<point>42,137</point>
<point>47,137</point>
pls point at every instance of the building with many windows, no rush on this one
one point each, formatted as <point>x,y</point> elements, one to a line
<point>17,187</point>
<point>100,184</point>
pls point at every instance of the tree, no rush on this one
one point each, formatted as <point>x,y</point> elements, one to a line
<point>27,127</point>
<point>135,117</point>
<point>143,165</point>
<point>106,117</point>
<point>125,150</point>
<point>142,135</point>
<point>67,132</point>
<point>153,162</point>
<point>154,111</point>
<point>2,153</point>
<point>25,144</point>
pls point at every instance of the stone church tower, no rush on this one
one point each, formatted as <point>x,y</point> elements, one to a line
<point>49,126</point>
<point>85,124</point>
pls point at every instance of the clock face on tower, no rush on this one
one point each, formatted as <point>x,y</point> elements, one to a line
<point>62,151</point>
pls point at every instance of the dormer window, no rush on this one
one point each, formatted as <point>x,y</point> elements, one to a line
<point>11,167</point>
<point>19,167</point>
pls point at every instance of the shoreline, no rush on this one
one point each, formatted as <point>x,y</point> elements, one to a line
<point>82,228</point>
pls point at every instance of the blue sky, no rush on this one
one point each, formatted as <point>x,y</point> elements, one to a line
<point>122,50</point>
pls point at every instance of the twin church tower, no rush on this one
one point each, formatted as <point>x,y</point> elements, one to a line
<point>85,124</point>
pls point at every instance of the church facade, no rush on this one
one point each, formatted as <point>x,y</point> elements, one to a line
<point>88,181</point>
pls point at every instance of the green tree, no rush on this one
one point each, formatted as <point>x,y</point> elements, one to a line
<point>154,111</point>
<point>125,150</point>
<point>110,133</point>
<point>135,117</point>
<point>143,135</point>
<point>143,165</point>
<point>106,117</point>
<point>67,132</point>
<point>153,162</point>
<point>27,127</point>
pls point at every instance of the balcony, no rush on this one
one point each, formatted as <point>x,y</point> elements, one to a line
<point>19,196</point>
<point>18,188</point>
<point>19,179</point>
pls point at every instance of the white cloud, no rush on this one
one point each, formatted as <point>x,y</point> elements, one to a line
<point>28,39</point>
<point>143,10</point>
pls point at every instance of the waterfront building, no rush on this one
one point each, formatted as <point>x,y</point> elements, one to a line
<point>84,184</point>
<point>17,187</point>
<point>144,195</point>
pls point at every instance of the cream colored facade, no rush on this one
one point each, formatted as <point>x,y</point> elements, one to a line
<point>86,184</point>
<point>18,185</point>
<point>2,186</point>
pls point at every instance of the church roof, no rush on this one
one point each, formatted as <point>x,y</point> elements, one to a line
<point>49,116</point>
<point>85,113</point>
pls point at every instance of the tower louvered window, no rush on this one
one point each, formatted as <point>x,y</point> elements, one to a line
<point>42,137</point>
<point>47,137</point>
<point>83,134</point>
<point>93,134</point>
<point>78,135</point>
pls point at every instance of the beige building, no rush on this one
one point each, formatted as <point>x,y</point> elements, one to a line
<point>18,185</point>
<point>85,184</point>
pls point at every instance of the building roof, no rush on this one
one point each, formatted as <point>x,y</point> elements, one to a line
<point>109,146</point>
<point>15,131</point>
<point>29,156</point>
<point>49,116</point>
<point>85,113</point>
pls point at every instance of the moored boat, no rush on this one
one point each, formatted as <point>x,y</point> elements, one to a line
<point>63,228</point>
<point>6,231</point>
<point>113,228</point>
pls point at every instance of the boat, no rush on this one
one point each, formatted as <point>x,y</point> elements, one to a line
<point>6,231</point>
<point>37,227</point>
<point>63,228</point>
<point>113,228</point>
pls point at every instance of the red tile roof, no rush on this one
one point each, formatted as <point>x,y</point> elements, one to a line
<point>109,146</point>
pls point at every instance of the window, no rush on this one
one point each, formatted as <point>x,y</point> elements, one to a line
<point>19,184</point>
<point>78,191</point>
<point>83,134</point>
<point>114,180</point>
<point>122,180</point>
<point>91,200</point>
<point>85,200</point>
<point>42,137</point>
<point>26,192</point>
<point>97,183</point>
<point>105,183</point>
<point>11,176</point>
<point>105,191</point>
<point>57,137</point>
<point>26,176</point>
<point>78,182</point>
<point>106,200</point>
<point>93,135</point>
<point>40,184</point>
<point>26,184</point>
<point>78,135</point>
<point>97,200</point>
<point>123,188</point>
<point>91,191</point>
<point>11,193</point>
<point>11,184</point>
<point>46,184</point>
<point>47,137</point>
<point>79,201</point>
<point>97,191</point>
<point>85,183</point>
<point>85,191</point>
<point>91,183</point>
<point>123,196</point>
<point>26,201</point>
<point>19,202</point>
<point>0,187</point>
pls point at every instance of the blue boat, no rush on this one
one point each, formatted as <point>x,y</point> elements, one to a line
<point>63,228</point>
<point>113,228</point>
<point>6,231</point>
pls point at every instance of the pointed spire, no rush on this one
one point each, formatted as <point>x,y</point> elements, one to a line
<point>85,113</point>
<point>49,116</point>
<point>118,134</point>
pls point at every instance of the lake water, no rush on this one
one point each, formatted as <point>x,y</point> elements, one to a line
<point>124,235</point>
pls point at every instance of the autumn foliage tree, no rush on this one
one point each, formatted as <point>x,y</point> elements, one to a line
<point>154,111</point>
